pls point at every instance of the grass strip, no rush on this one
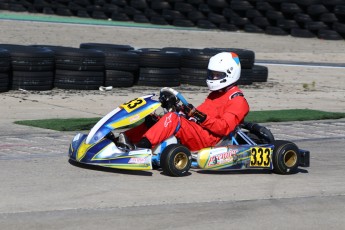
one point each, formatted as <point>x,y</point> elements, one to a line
<point>79,124</point>
<point>291,115</point>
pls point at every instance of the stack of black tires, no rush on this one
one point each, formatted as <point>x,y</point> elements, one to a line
<point>324,19</point>
<point>120,64</point>
<point>43,67</point>
<point>30,68</point>
<point>159,67</point>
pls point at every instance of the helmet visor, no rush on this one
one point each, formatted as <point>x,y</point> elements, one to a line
<point>215,75</point>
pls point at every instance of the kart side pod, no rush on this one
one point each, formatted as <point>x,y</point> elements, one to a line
<point>105,153</point>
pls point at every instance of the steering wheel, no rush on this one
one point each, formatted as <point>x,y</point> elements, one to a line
<point>170,99</point>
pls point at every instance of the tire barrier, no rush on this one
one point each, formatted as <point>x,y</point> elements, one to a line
<point>43,67</point>
<point>5,60</point>
<point>324,19</point>
<point>31,68</point>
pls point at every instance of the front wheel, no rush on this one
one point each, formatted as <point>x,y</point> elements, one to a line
<point>176,160</point>
<point>285,157</point>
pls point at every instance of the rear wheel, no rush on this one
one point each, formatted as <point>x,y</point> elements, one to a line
<point>285,157</point>
<point>176,160</point>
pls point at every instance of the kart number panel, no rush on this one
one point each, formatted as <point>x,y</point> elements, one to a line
<point>260,157</point>
<point>133,104</point>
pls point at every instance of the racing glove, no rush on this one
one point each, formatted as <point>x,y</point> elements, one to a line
<point>191,111</point>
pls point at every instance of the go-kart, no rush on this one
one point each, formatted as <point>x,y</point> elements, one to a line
<point>249,146</point>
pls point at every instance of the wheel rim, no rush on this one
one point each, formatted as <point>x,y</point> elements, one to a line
<point>180,160</point>
<point>290,158</point>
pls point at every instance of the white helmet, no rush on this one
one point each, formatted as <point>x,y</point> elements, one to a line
<point>224,69</point>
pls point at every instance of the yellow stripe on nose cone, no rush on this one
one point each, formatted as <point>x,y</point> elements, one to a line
<point>134,118</point>
<point>83,148</point>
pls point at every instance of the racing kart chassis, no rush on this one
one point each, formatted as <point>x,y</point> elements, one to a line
<point>249,146</point>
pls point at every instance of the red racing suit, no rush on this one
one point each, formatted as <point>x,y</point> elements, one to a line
<point>224,109</point>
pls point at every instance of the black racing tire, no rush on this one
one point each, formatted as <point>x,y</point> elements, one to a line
<point>176,160</point>
<point>195,15</point>
<point>240,5</point>
<point>315,26</point>
<point>261,22</point>
<point>264,6</point>
<point>228,27</point>
<point>160,5</point>
<point>260,73</point>
<point>302,18</point>
<point>118,78</point>
<point>205,24</point>
<point>239,21</point>
<point>30,58</point>
<point>286,157</point>
<point>274,15</point>
<point>183,23</point>
<point>32,80</point>
<point>287,24</point>
<point>69,79</point>
<point>120,60</point>
<point>302,33</point>
<point>158,58</point>
<point>105,46</point>
<point>196,59</point>
<point>171,15</point>
<point>273,30</point>
<point>139,4</point>
<point>218,3</point>
<point>252,13</point>
<point>194,76</point>
<point>328,18</point>
<point>317,9</point>
<point>216,18</point>
<point>329,35</point>
<point>290,8</point>
<point>119,16</point>
<point>183,7</point>
<point>99,14</point>
<point>163,77</point>
<point>246,77</point>
<point>140,18</point>
<point>179,50</point>
<point>76,59</point>
<point>158,20</point>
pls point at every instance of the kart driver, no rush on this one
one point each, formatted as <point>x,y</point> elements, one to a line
<point>203,126</point>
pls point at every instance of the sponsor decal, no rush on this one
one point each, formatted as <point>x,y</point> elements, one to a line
<point>134,118</point>
<point>137,160</point>
<point>222,158</point>
<point>167,120</point>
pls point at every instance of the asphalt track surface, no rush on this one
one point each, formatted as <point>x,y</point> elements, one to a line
<point>40,189</point>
